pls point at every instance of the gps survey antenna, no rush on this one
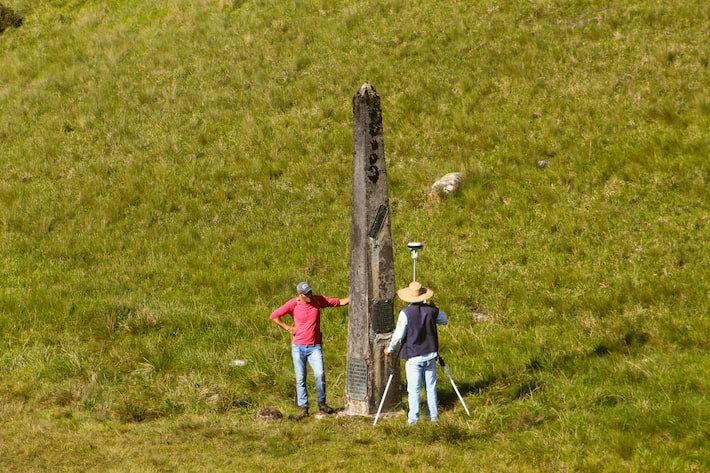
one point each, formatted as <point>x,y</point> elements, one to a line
<point>415,247</point>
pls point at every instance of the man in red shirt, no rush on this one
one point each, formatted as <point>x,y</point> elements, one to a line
<point>306,344</point>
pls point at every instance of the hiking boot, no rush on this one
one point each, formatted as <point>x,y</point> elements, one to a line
<point>302,413</point>
<point>326,409</point>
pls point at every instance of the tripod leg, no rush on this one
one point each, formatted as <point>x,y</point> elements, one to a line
<point>446,369</point>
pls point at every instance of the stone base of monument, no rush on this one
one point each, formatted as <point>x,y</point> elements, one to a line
<point>384,415</point>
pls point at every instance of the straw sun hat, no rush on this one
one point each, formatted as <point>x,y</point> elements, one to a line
<point>415,292</point>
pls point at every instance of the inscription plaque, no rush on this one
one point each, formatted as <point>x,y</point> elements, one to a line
<point>377,223</point>
<point>357,378</point>
<point>382,316</point>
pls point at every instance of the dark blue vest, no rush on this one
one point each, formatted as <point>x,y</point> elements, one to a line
<point>421,337</point>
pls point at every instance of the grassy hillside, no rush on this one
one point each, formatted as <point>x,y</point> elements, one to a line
<point>170,170</point>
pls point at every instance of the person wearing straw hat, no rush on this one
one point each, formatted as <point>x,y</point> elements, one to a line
<point>416,326</point>
<point>306,342</point>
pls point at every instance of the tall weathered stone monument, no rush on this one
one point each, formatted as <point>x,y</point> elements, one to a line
<point>372,285</point>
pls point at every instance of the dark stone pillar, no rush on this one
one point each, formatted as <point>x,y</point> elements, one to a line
<point>372,285</point>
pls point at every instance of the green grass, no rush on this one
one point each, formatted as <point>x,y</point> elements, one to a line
<point>169,170</point>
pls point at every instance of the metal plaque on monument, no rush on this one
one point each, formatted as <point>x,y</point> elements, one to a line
<point>372,284</point>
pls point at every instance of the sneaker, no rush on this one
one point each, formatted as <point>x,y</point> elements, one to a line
<point>326,409</point>
<point>302,414</point>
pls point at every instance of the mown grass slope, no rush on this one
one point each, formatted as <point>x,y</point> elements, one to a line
<point>169,170</point>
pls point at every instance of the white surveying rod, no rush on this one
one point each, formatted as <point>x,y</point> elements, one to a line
<point>389,380</point>
<point>415,247</point>
<point>382,401</point>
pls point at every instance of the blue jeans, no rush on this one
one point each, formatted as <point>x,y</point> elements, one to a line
<point>415,369</point>
<point>314,355</point>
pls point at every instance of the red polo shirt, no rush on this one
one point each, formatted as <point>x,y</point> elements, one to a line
<point>306,318</point>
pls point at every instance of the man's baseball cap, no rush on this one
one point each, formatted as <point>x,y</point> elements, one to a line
<point>303,288</point>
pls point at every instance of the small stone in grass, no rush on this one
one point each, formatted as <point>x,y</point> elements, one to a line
<point>543,163</point>
<point>269,413</point>
<point>447,184</point>
<point>237,362</point>
<point>214,399</point>
<point>479,314</point>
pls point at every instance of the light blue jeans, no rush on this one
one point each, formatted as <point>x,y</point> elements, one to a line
<point>314,355</point>
<point>415,370</point>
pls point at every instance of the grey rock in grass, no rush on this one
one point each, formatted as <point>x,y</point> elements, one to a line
<point>479,314</point>
<point>214,399</point>
<point>543,163</point>
<point>447,184</point>
<point>238,363</point>
<point>269,413</point>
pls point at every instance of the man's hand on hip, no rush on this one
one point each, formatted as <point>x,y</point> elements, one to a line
<point>290,329</point>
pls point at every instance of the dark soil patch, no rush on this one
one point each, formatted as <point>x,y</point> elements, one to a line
<point>269,413</point>
<point>8,18</point>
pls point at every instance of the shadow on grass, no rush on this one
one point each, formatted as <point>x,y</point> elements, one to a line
<point>627,343</point>
<point>315,414</point>
<point>632,341</point>
<point>448,398</point>
<point>8,18</point>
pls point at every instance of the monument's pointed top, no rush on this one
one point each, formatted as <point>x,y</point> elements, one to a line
<point>367,89</point>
